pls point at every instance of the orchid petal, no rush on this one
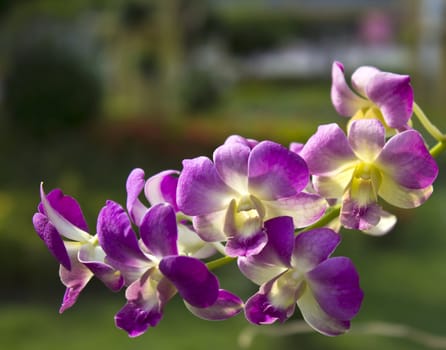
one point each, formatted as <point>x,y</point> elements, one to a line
<point>259,311</point>
<point>48,233</point>
<point>359,217</point>
<point>134,185</point>
<point>159,231</point>
<point>93,257</point>
<point>191,277</point>
<point>210,227</point>
<point>385,225</point>
<point>75,279</point>
<point>362,77</point>
<point>240,245</point>
<point>117,238</point>
<point>162,187</point>
<point>275,172</point>
<point>332,187</point>
<point>231,163</point>
<point>189,243</point>
<point>406,159</point>
<point>335,285</point>
<point>146,298</point>
<point>393,94</point>
<point>62,224</point>
<point>200,188</point>
<point>304,208</point>
<point>367,138</point>
<point>317,318</point>
<point>314,246</point>
<point>240,139</point>
<point>400,196</point>
<point>226,306</point>
<point>328,152</point>
<point>296,147</point>
<point>344,100</point>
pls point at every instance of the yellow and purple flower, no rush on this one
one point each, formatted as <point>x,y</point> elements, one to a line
<point>362,166</point>
<point>60,223</point>
<point>154,271</point>
<point>247,183</point>
<point>380,95</point>
<point>298,270</point>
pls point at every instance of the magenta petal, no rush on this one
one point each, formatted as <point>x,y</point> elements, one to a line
<point>259,310</point>
<point>246,246</point>
<point>275,172</point>
<point>335,285</point>
<point>135,319</point>
<point>393,94</point>
<point>191,277</point>
<point>159,230</point>
<point>200,188</point>
<point>356,217</point>
<point>134,185</point>
<point>226,306</point>
<point>314,246</point>
<point>280,233</point>
<point>67,207</point>
<point>48,233</point>
<point>116,236</point>
<point>231,163</point>
<point>344,100</point>
<point>327,151</point>
<point>242,140</point>
<point>162,188</point>
<point>406,159</point>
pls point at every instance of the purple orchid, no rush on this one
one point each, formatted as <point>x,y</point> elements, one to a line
<point>154,272</point>
<point>162,188</point>
<point>379,95</point>
<point>80,257</point>
<point>299,270</point>
<point>247,183</point>
<point>362,166</point>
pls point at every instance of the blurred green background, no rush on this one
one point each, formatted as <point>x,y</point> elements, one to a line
<point>90,89</point>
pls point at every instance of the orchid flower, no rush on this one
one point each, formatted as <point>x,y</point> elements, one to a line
<point>162,188</point>
<point>380,95</point>
<point>154,272</point>
<point>79,254</point>
<point>299,270</point>
<point>360,167</point>
<point>247,183</point>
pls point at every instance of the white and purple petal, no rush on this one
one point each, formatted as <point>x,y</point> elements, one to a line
<point>334,186</point>
<point>134,186</point>
<point>226,306</point>
<point>367,138</point>
<point>304,208</point>
<point>393,94</point>
<point>92,256</point>
<point>344,100</point>
<point>194,282</point>
<point>71,211</point>
<point>359,217</point>
<point>335,285</point>
<point>318,319</point>
<point>406,159</point>
<point>362,77</point>
<point>162,188</point>
<point>231,163</point>
<point>209,227</point>
<point>313,247</point>
<point>400,196</point>
<point>200,189</point>
<point>74,279</point>
<point>275,172</point>
<point>328,152</point>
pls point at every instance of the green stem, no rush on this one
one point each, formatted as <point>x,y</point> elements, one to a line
<point>427,124</point>
<point>329,216</point>
<point>439,148</point>
<point>214,264</point>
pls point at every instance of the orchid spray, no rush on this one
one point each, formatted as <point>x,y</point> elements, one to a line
<point>277,212</point>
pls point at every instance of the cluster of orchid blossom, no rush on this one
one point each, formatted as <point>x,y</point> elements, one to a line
<point>276,211</point>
